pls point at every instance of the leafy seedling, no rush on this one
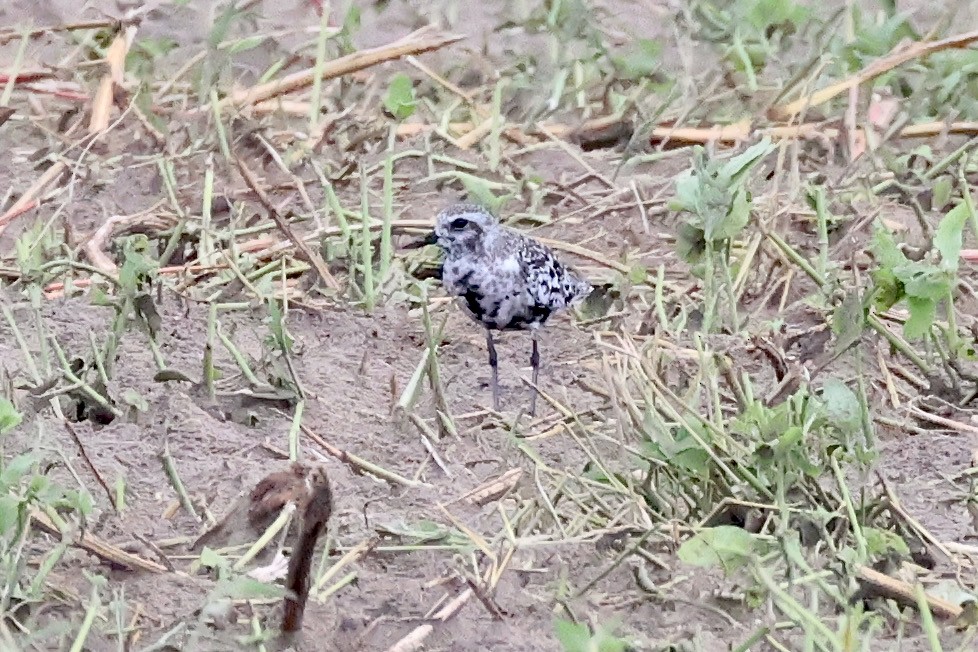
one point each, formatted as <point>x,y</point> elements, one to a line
<point>922,285</point>
<point>641,59</point>
<point>400,101</point>
<point>714,198</point>
<point>713,195</point>
<point>578,637</point>
<point>10,418</point>
<point>726,546</point>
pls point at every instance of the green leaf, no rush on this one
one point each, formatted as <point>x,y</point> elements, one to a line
<point>210,558</point>
<point>577,637</point>
<point>641,59</point>
<point>221,26</point>
<point>133,398</point>
<point>842,407</point>
<point>687,192</point>
<point>280,334</point>
<point>637,274</point>
<point>15,469</point>
<point>574,637</point>
<point>941,193</point>
<point>10,418</point>
<point>9,514</point>
<point>351,21</point>
<point>726,546</point>
<point>424,532</point>
<point>792,438</point>
<point>874,40</point>
<point>741,164</point>
<point>968,617</point>
<point>245,44</point>
<point>98,297</point>
<point>947,238</point>
<point>155,48</point>
<point>690,243</point>
<point>400,101</point>
<point>243,587</point>
<point>685,452</point>
<point>715,195</point>
<point>734,222</point>
<point>138,267</point>
<point>885,250</point>
<point>848,321</point>
<point>881,542</point>
<point>480,191</point>
<point>888,289</point>
<point>120,493</point>
<point>921,318</point>
<point>923,281</point>
<point>763,14</point>
<point>39,486</point>
<point>81,501</point>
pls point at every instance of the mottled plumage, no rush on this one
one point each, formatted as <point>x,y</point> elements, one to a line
<point>503,279</point>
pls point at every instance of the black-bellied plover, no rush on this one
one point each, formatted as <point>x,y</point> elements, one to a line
<point>503,279</point>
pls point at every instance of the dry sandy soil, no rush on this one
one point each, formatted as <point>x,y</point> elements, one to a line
<point>354,364</point>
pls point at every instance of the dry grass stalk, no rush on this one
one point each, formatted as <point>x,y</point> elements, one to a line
<point>115,58</point>
<point>310,256</point>
<point>902,593</point>
<point>417,42</point>
<point>899,56</point>
<point>96,546</point>
<point>31,197</point>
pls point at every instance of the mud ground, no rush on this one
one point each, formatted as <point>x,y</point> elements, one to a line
<point>353,366</point>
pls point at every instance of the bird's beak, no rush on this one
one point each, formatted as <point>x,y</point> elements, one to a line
<point>430,239</point>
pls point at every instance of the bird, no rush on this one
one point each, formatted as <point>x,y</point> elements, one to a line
<point>502,279</point>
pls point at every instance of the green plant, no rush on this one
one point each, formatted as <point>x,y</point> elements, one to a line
<point>714,197</point>
<point>132,299</point>
<point>921,284</point>
<point>750,32</point>
<point>24,488</point>
<point>578,637</point>
<point>400,101</point>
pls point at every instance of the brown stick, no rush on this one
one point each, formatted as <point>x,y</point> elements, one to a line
<point>115,60</point>
<point>297,582</point>
<point>27,200</point>
<point>422,40</point>
<point>357,464</point>
<point>102,550</point>
<point>731,133</point>
<point>493,489</point>
<point>903,593</point>
<point>898,56</point>
<point>10,34</point>
<point>91,467</point>
<point>415,638</point>
<point>308,254</point>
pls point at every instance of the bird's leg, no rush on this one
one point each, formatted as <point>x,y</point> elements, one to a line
<point>535,363</point>
<point>494,363</point>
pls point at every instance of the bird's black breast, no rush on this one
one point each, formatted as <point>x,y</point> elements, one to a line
<point>473,296</point>
<point>537,315</point>
<point>473,301</point>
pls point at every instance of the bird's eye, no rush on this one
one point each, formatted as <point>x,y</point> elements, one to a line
<point>459,223</point>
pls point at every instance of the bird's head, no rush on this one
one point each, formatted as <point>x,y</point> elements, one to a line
<point>461,227</point>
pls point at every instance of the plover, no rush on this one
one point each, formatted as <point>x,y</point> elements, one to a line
<point>503,279</point>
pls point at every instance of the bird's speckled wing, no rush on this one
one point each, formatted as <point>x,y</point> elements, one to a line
<point>552,285</point>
